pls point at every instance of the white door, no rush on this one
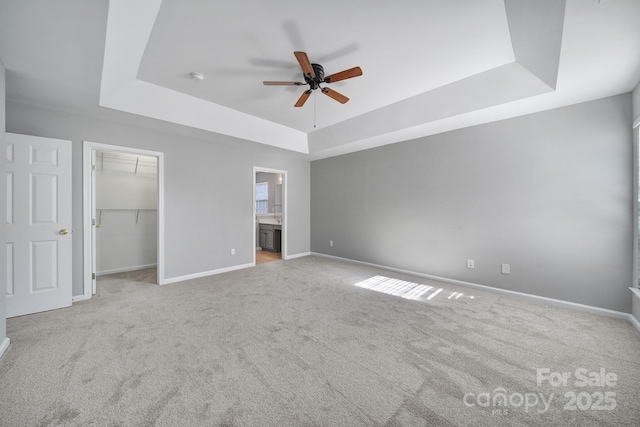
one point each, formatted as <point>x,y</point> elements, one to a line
<point>38,224</point>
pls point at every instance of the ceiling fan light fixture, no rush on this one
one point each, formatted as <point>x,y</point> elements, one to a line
<point>314,76</point>
<point>196,76</point>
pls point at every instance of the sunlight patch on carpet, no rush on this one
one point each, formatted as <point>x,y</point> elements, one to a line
<point>404,289</point>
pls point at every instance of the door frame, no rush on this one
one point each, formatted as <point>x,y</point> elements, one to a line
<point>88,188</point>
<point>285,204</point>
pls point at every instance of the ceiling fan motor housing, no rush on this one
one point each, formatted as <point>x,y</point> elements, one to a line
<point>314,82</point>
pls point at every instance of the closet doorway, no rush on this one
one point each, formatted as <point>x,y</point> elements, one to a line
<point>123,213</point>
<point>270,214</point>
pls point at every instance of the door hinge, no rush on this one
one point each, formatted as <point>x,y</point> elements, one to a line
<point>93,276</point>
<point>93,221</point>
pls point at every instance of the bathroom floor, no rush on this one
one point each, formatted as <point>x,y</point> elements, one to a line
<point>266,256</point>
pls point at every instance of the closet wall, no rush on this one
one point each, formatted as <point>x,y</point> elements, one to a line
<point>126,212</point>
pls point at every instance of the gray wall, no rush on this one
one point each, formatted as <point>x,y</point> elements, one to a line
<point>3,212</point>
<point>548,193</point>
<point>208,185</point>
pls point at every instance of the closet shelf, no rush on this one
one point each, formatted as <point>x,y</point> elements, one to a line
<point>137,211</point>
<point>131,160</point>
<point>125,209</point>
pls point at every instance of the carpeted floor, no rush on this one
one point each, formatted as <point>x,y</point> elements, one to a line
<point>297,343</point>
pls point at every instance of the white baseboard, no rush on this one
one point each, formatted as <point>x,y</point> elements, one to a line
<point>557,302</point>
<point>125,269</point>
<point>300,255</point>
<point>78,298</point>
<point>205,273</point>
<point>4,345</point>
<point>634,322</point>
<point>221,270</point>
<point>635,303</point>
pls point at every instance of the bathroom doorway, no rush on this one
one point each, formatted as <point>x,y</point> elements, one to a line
<point>270,219</point>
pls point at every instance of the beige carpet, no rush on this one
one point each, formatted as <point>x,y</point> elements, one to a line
<point>297,343</point>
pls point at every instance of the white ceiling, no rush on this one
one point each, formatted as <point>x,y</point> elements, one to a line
<point>428,65</point>
<point>261,43</point>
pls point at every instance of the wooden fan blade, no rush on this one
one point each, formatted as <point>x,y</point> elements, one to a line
<point>268,83</point>
<point>303,98</point>
<point>335,95</point>
<point>343,75</point>
<point>305,64</point>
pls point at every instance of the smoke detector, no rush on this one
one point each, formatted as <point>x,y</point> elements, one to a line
<point>196,76</point>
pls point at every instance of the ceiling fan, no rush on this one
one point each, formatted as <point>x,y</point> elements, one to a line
<point>314,76</point>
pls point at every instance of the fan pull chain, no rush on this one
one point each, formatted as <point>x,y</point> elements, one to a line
<point>314,109</point>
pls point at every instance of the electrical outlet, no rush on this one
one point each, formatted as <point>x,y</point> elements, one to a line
<point>470,264</point>
<point>233,251</point>
<point>506,269</point>
<point>330,242</point>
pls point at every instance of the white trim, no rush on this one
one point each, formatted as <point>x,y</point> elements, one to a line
<point>636,297</point>
<point>79,298</point>
<point>87,147</point>
<point>634,207</point>
<point>557,302</point>
<point>125,270</point>
<point>300,255</point>
<point>206,273</point>
<point>160,257</point>
<point>285,217</point>
<point>634,322</point>
<point>4,345</point>
<point>86,217</point>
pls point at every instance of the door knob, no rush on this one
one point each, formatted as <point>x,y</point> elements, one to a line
<point>64,231</point>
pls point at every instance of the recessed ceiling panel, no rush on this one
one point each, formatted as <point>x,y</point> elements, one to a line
<point>405,47</point>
